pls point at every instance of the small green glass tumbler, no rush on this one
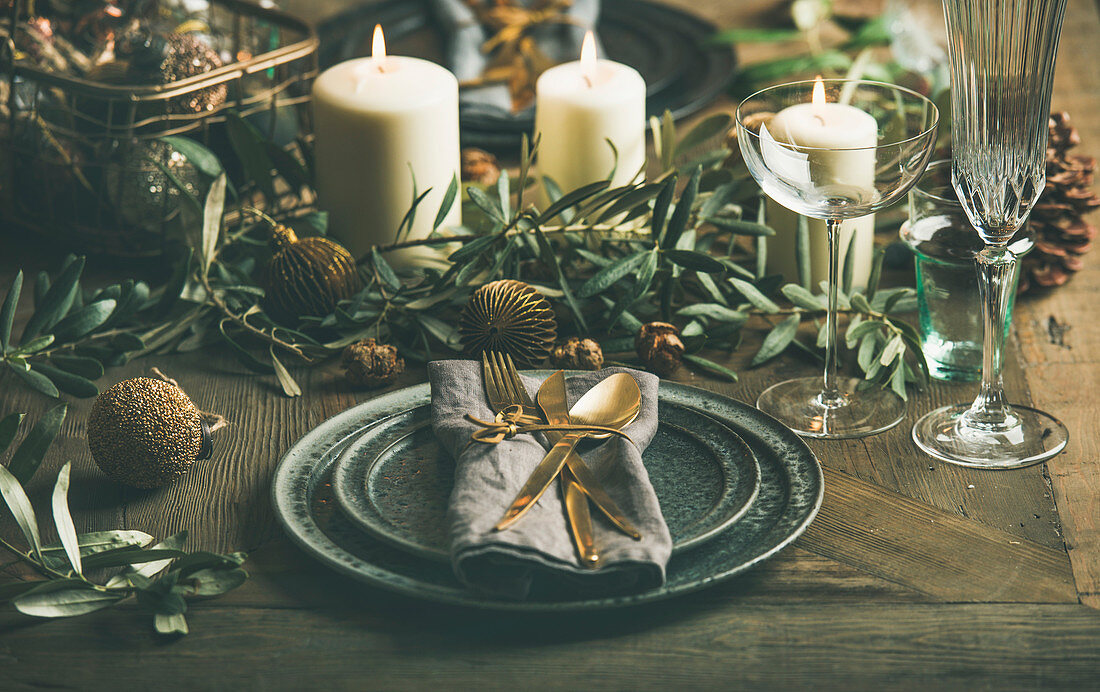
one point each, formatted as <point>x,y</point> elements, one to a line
<point>944,246</point>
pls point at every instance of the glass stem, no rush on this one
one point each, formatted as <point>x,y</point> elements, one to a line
<point>830,395</point>
<point>996,267</point>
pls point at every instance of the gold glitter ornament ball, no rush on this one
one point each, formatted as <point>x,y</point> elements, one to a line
<point>508,317</point>
<point>146,433</point>
<point>308,276</point>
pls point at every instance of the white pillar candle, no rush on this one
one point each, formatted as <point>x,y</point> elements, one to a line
<point>579,107</point>
<point>379,121</point>
<point>838,141</point>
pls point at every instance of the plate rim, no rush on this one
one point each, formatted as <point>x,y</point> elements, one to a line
<point>465,598</point>
<point>344,482</point>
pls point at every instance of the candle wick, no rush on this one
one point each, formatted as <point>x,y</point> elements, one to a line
<point>588,81</point>
<point>820,119</point>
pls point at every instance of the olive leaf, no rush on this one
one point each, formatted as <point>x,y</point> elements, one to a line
<point>487,204</point>
<point>447,203</point>
<point>286,380</point>
<point>697,261</point>
<point>610,275</point>
<point>64,599</point>
<point>202,158</point>
<point>803,298</point>
<point>35,380</point>
<point>713,311</point>
<point>28,457</point>
<point>776,341</point>
<point>55,302</point>
<point>170,623</point>
<point>680,215</point>
<point>76,385</point>
<point>20,506</point>
<point>711,367</point>
<point>753,295</point>
<point>102,541</point>
<point>7,310</point>
<point>661,206</point>
<point>739,227</point>
<point>84,366</point>
<point>79,322</point>
<point>212,220</point>
<point>63,520</point>
<point>9,426</point>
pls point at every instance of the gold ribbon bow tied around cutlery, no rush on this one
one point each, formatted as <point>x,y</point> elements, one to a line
<point>612,403</point>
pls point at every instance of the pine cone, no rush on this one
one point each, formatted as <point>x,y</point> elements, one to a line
<point>1058,228</point>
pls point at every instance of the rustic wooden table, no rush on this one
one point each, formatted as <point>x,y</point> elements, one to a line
<point>915,572</point>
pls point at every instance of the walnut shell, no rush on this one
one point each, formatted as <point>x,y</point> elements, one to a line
<point>659,347</point>
<point>578,354</point>
<point>368,363</point>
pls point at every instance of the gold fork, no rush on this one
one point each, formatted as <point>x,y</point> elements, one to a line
<point>501,372</point>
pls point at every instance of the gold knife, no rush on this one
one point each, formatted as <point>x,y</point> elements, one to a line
<point>576,502</point>
<point>580,519</point>
<point>553,392</point>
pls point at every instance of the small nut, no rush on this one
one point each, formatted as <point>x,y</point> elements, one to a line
<point>371,364</point>
<point>479,166</point>
<point>659,347</point>
<point>578,354</point>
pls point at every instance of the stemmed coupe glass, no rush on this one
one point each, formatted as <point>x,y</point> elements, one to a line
<point>835,150</point>
<point>1002,71</point>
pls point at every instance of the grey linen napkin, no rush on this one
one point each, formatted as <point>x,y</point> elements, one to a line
<point>535,557</point>
<point>465,36</point>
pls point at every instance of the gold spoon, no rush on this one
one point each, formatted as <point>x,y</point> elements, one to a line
<point>613,402</point>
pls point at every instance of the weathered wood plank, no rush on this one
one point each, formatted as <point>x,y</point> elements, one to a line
<point>388,645</point>
<point>285,577</point>
<point>1060,360</point>
<point>935,552</point>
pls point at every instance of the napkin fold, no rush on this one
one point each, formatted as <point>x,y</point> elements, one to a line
<point>535,557</point>
<point>464,57</point>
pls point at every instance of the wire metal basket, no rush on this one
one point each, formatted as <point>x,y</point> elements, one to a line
<point>107,167</point>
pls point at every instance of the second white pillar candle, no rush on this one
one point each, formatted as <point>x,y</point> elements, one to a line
<point>580,107</point>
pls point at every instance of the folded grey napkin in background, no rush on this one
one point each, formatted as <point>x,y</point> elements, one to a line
<point>536,556</point>
<point>464,57</point>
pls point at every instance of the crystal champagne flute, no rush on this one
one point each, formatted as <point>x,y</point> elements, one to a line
<point>1002,70</point>
<point>835,150</point>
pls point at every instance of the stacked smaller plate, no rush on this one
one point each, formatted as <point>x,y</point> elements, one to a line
<point>366,492</point>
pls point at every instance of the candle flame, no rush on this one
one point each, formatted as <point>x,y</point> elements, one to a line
<point>588,58</point>
<point>378,49</point>
<point>819,92</point>
<point>378,43</point>
<point>818,100</point>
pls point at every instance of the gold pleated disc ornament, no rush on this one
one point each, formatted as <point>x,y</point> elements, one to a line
<point>308,276</point>
<point>508,317</point>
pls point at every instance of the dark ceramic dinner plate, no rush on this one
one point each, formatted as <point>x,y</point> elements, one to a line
<point>394,480</point>
<point>666,45</point>
<point>789,498</point>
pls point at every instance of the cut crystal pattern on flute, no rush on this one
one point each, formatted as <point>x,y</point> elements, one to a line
<point>1002,70</point>
<point>1002,56</point>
